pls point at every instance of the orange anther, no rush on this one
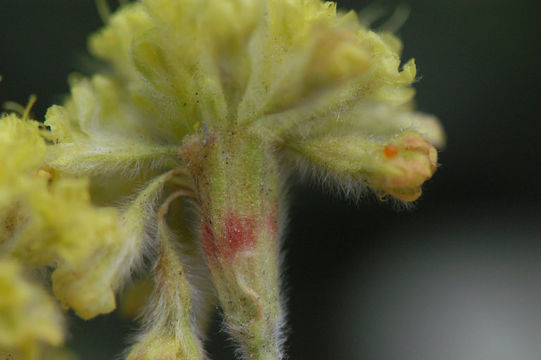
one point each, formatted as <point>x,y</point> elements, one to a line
<point>390,151</point>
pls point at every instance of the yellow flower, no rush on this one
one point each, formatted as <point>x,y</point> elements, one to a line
<point>53,223</point>
<point>28,315</point>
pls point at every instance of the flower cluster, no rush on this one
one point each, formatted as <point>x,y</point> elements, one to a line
<point>179,153</point>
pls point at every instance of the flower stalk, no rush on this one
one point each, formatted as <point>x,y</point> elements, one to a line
<point>168,334</point>
<point>238,192</point>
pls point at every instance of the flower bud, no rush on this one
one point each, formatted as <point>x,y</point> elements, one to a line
<point>398,166</point>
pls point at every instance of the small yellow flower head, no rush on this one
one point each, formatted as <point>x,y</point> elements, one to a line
<point>23,150</point>
<point>54,224</point>
<point>208,104</point>
<point>22,141</point>
<point>28,315</point>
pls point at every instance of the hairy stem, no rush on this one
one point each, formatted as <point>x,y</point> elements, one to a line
<point>238,191</point>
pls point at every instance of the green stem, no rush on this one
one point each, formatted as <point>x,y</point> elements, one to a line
<point>237,185</point>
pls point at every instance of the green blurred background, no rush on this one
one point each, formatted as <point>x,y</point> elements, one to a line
<point>457,277</point>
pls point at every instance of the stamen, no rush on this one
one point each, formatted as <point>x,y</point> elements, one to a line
<point>31,101</point>
<point>390,151</point>
<point>104,10</point>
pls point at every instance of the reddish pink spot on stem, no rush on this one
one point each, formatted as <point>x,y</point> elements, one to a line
<point>238,235</point>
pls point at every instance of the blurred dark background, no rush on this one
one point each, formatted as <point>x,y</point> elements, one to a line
<point>456,278</point>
